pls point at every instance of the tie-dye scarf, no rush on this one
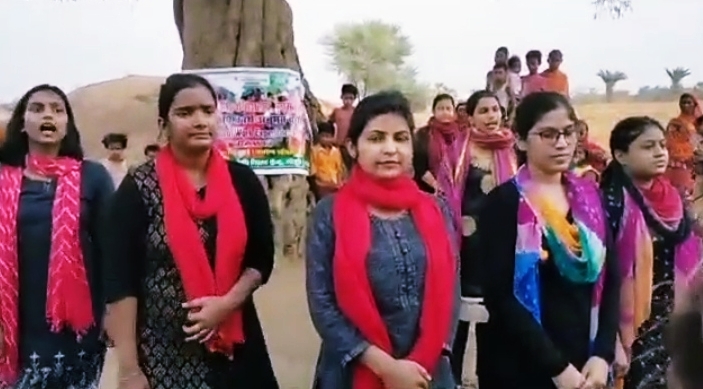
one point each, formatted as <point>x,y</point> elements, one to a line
<point>585,268</point>
<point>636,219</point>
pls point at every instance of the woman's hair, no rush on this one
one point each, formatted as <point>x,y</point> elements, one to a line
<point>441,97</point>
<point>534,106</point>
<point>176,83</point>
<point>683,339</point>
<point>686,96</point>
<point>531,110</point>
<point>621,137</point>
<point>475,98</point>
<point>378,104</point>
<point>16,146</point>
<point>629,129</point>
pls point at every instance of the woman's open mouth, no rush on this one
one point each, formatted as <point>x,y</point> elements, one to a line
<point>47,128</point>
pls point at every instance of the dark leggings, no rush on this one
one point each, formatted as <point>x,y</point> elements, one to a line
<point>461,341</point>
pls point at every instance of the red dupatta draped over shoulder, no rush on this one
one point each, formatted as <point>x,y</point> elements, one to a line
<point>352,226</point>
<point>183,208</point>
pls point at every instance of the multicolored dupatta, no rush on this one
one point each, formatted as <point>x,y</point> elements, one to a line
<point>637,221</point>
<point>582,268</point>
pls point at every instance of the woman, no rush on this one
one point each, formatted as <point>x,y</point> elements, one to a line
<point>50,287</point>
<point>381,267</point>
<point>554,290</point>
<point>489,160</point>
<point>681,138</point>
<point>189,239</point>
<point>443,125</point>
<point>655,244</point>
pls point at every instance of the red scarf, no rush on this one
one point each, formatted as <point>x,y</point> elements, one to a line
<point>354,295</point>
<point>493,140</point>
<point>68,299</point>
<point>664,199</point>
<point>441,134</point>
<point>182,208</point>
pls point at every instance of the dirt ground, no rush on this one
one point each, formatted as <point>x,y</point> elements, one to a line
<point>291,339</point>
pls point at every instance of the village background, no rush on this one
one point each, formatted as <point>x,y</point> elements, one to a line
<point>626,61</point>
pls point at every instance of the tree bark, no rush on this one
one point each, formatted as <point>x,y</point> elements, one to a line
<point>252,33</point>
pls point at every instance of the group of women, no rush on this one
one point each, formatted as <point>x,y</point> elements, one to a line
<point>578,276</point>
<point>581,280</point>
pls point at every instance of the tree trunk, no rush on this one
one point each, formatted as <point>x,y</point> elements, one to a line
<point>609,91</point>
<point>253,33</point>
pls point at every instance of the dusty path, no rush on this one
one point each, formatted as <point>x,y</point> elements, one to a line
<point>291,339</point>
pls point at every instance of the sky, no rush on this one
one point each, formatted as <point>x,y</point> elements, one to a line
<point>74,43</point>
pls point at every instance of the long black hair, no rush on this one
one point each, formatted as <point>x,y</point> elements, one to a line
<point>16,146</point>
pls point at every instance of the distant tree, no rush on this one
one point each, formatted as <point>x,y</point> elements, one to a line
<point>610,78</point>
<point>699,85</point>
<point>367,53</point>
<point>614,8</point>
<point>440,87</point>
<point>676,75</point>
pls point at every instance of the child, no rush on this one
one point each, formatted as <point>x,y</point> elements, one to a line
<point>326,165</point>
<point>341,115</point>
<point>557,81</point>
<point>582,167</point>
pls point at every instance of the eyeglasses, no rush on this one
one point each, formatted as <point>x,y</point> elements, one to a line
<point>552,135</point>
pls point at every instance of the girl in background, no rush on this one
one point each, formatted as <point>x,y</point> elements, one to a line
<point>655,244</point>
<point>681,137</point>
<point>381,265</point>
<point>553,295</point>
<point>51,295</point>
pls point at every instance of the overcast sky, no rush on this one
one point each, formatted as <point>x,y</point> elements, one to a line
<point>76,43</point>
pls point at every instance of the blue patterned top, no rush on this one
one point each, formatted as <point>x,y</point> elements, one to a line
<point>396,268</point>
<point>49,359</point>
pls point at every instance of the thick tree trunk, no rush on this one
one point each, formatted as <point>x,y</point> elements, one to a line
<point>255,33</point>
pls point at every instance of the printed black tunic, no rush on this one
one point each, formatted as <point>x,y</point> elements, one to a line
<point>141,265</point>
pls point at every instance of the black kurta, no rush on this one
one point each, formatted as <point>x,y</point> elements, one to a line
<point>516,352</point>
<point>140,264</point>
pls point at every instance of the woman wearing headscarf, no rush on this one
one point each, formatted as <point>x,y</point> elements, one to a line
<point>655,244</point>
<point>189,238</point>
<point>51,295</point>
<point>681,138</point>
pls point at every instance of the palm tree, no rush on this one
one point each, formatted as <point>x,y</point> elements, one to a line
<point>610,78</point>
<point>676,75</point>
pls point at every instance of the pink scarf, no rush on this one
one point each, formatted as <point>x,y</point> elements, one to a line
<point>68,302</point>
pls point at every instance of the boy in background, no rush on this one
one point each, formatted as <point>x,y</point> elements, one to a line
<point>341,115</point>
<point>326,165</point>
<point>534,81</point>
<point>557,81</point>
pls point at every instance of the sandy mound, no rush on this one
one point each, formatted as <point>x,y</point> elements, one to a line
<point>125,105</point>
